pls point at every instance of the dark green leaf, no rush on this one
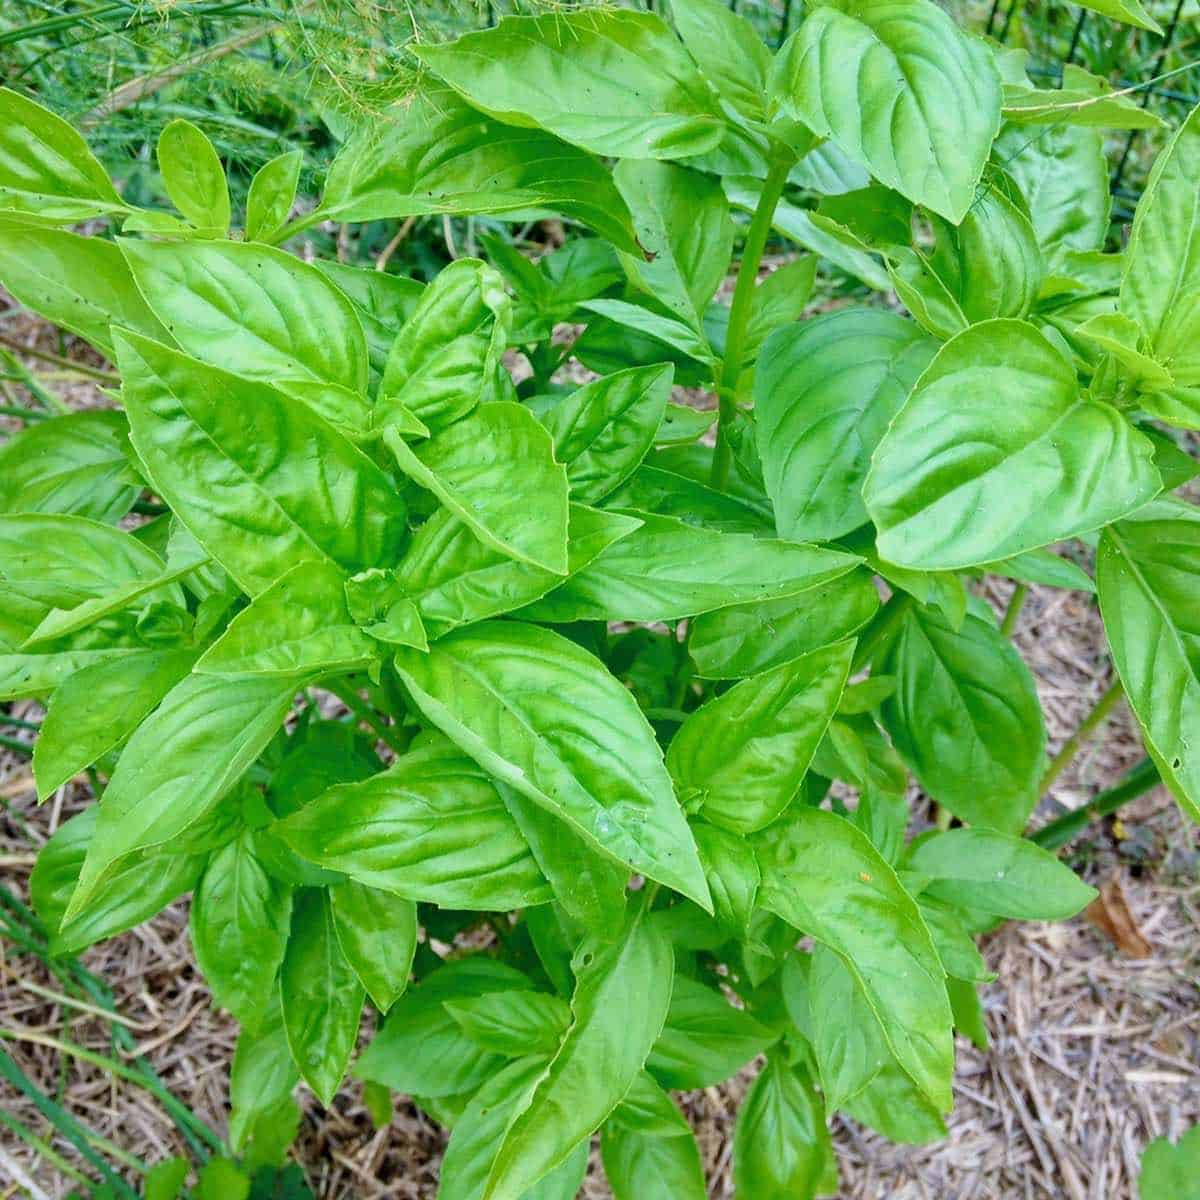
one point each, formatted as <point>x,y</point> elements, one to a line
<point>377,932</point>
<point>644,96</point>
<point>240,919</point>
<point>822,875</point>
<point>260,481</point>
<point>741,757</point>
<point>1148,575</point>
<point>546,718</point>
<point>215,729</point>
<point>997,425</point>
<point>433,827</point>
<point>605,428</point>
<point>321,996</point>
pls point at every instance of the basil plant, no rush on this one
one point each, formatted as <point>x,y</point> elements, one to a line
<point>643,708</point>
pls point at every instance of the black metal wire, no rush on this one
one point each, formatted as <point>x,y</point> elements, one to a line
<point>1168,36</point>
<point>1075,35</point>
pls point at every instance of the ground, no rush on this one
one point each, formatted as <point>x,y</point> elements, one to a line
<point>1093,1052</point>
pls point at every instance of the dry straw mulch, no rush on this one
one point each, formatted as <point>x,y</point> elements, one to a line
<point>1093,1053</point>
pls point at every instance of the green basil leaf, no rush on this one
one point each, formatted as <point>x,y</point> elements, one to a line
<point>141,887</point>
<point>321,996</point>
<point>681,425</point>
<point>513,1023</point>
<point>682,221</point>
<point>240,919</point>
<point>603,430</point>
<point>745,639</point>
<point>445,358</point>
<point>75,464</point>
<point>996,873</point>
<point>900,89</point>
<point>741,757</point>
<point>23,675</point>
<point>433,827</point>
<point>966,718</point>
<point>1044,567</point>
<point>545,717</point>
<point>215,728</point>
<point>732,873</point>
<point>638,1164</point>
<point>1169,1169</point>
<point>822,875</point>
<point>476,1133</point>
<point>47,173</point>
<point>97,708</point>
<point>648,1109</point>
<point>955,946</point>
<point>455,579</point>
<point>824,394</point>
<point>1160,288</point>
<point>781,1148</point>
<point>382,303</point>
<point>651,489</point>
<point>659,328</point>
<point>252,310</point>
<point>988,265</point>
<point>779,299</point>
<point>705,1039</point>
<point>299,624</point>
<point>433,153</point>
<point>193,176</point>
<point>202,435</point>
<point>80,283</point>
<point>271,196</point>
<point>1063,176</point>
<point>859,1073</point>
<point>263,1074</point>
<point>1130,11</point>
<point>378,936</point>
<point>589,885</point>
<point>421,1049</point>
<point>60,562</point>
<point>997,425</point>
<point>495,470</point>
<point>620,1002</point>
<point>1148,577</point>
<point>729,52</point>
<point>667,570</point>
<point>644,96</point>
<point>797,224</point>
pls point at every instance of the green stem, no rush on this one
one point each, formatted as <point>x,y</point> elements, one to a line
<point>29,381</point>
<point>363,711</point>
<point>1063,829</point>
<point>59,361</point>
<point>739,314</point>
<point>9,743</point>
<point>1013,612</point>
<point>1071,747</point>
<point>299,225</point>
<point>22,414</point>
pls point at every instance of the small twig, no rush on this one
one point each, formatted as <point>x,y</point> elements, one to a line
<point>59,361</point>
<point>146,85</point>
<point>382,261</point>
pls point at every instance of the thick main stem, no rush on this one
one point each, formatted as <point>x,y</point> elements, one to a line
<point>1060,831</point>
<point>1071,747</point>
<point>739,314</point>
